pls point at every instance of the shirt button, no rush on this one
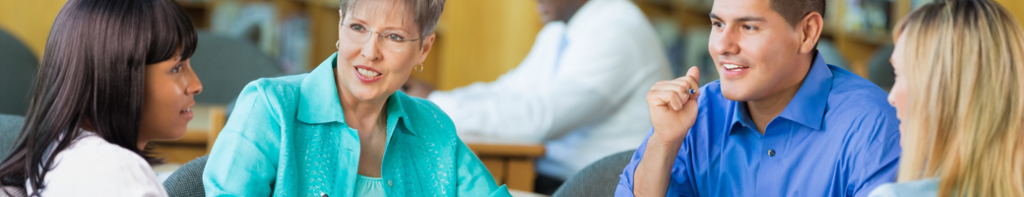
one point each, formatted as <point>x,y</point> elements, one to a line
<point>389,182</point>
<point>771,152</point>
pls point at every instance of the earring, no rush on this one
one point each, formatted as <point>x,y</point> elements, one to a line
<point>419,68</point>
<point>337,45</point>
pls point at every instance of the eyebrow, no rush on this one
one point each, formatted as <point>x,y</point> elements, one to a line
<point>392,29</point>
<point>742,19</point>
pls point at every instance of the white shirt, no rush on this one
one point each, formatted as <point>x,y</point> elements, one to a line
<point>592,105</point>
<point>91,166</point>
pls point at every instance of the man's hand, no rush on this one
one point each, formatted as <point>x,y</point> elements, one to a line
<point>673,106</point>
<point>417,88</point>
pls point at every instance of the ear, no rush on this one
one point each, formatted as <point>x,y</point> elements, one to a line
<point>810,31</point>
<point>428,43</point>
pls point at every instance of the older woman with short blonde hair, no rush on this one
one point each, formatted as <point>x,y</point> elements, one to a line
<point>344,129</point>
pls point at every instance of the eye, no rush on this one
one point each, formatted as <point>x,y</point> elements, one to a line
<point>749,27</point>
<point>396,37</point>
<point>357,27</point>
<point>176,69</point>
<point>716,24</point>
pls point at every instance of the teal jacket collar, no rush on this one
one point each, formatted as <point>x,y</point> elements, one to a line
<point>319,102</point>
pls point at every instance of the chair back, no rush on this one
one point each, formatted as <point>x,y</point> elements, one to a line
<point>597,179</point>
<point>17,72</point>
<point>187,181</point>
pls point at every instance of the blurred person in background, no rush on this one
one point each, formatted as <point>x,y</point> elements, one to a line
<point>115,75</point>
<point>959,95</point>
<point>344,129</point>
<point>580,89</point>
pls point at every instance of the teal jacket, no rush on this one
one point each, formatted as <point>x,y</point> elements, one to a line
<point>287,137</point>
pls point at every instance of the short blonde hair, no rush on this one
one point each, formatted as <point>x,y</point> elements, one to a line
<point>963,66</point>
<point>427,12</point>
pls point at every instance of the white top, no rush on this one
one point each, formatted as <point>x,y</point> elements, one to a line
<point>919,188</point>
<point>91,166</point>
<point>587,104</point>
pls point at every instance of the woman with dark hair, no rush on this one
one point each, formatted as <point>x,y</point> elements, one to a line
<point>344,129</point>
<point>115,75</point>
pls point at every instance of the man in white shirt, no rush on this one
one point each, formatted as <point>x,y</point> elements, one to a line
<point>581,89</point>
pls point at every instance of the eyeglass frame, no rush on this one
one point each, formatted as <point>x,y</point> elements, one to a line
<point>380,36</point>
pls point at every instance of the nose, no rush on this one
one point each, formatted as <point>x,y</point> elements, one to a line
<point>724,42</point>
<point>194,86</point>
<point>891,98</point>
<point>370,49</point>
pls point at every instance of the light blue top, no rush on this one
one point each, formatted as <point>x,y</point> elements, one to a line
<point>920,188</point>
<point>838,136</point>
<point>369,186</point>
<point>287,137</point>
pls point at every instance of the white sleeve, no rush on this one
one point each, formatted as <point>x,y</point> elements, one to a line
<point>593,79</point>
<point>102,171</point>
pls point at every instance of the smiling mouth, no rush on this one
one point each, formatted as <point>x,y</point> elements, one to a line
<point>367,73</point>
<point>733,67</point>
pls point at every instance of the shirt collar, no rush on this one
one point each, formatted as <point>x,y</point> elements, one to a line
<point>808,105</point>
<point>319,102</point>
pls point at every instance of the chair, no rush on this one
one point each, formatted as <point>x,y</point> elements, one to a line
<point>598,179</point>
<point>187,180</point>
<point>225,65</point>
<point>17,72</point>
<point>831,54</point>
<point>880,69</point>
<point>10,127</point>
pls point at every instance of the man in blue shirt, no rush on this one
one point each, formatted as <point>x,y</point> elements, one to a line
<point>779,122</point>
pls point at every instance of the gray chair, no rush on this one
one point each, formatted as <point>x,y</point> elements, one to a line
<point>225,65</point>
<point>831,54</point>
<point>17,72</point>
<point>187,180</point>
<point>598,178</point>
<point>10,127</point>
<point>880,69</point>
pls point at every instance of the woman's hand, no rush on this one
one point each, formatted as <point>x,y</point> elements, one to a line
<point>673,106</point>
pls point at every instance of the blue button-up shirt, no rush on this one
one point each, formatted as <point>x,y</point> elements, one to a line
<point>837,137</point>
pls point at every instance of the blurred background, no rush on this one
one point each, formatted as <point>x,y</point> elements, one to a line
<point>477,40</point>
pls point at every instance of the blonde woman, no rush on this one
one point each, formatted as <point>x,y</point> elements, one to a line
<point>959,96</point>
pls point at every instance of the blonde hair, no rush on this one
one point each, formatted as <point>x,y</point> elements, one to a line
<point>963,66</point>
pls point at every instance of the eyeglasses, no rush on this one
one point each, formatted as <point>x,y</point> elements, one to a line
<point>392,41</point>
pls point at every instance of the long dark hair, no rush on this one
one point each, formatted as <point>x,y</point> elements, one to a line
<point>92,74</point>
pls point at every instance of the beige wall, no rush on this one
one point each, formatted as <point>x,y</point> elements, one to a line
<point>482,39</point>
<point>29,20</point>
<point>1015,6</point>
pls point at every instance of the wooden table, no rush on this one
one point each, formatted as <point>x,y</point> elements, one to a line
<point>510,161</point>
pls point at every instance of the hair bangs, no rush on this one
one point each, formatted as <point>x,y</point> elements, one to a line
<point>171,31</point>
